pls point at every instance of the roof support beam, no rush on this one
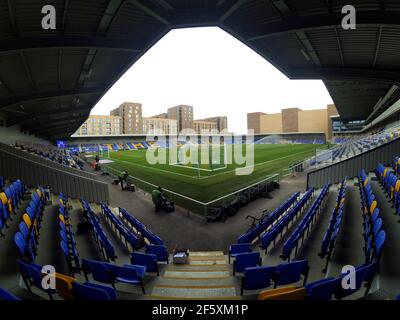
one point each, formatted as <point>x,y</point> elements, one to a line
<point>151,12</point>
<point>49,94</point>
<point>381,103</point>
<point>345,74</point>
<point>97,42</point>
<point>315,22</point>
<point>31,118</point>
<point>61,123</point>
<point>231,9</point>
<point>378,46</point>
<point>339,46</point>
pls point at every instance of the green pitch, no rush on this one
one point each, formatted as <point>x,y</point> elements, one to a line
<point>208,181</point>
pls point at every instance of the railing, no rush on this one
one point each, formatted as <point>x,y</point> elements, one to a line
<point>351,167</point>
<point>193,205</point>
<point>35,172</point>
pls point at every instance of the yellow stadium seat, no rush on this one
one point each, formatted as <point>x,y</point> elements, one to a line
<point>397,186</point>
<point>64,286</point>
<point>6,201</point>
<point>287,293</point>
<point>27,220</point>
<point>374,204</point>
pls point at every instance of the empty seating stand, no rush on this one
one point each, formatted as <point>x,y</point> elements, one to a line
<point>303,229</point>
<point>140,228</point>
<point>105,245</point>
<point>277,229</point>
<point>68,242</point>
<point>124,233</point>
<point>335,222</point>
<point>268,221</point>
<point>374,235</point>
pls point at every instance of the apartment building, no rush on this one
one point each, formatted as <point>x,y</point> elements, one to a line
<point>100,126</point>
<point>132,117</point>
<point>159,126</point>
<point>200,126</point>
<point>220,122</point>
<point>183,114</point>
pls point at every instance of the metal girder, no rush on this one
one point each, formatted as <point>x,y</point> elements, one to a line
<point>344,74</point>
<point>47,113</point>
<point>97,42</point>
<point>49,94</point>
<point>329,20</point>
<point>381,103</point>
<point>231,9</point>
<point>147,8</point>
<point>55,124</point>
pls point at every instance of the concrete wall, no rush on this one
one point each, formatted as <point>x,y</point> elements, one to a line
<point>290,120</point>
<point>271,123</point>
<point>313,121</point>
<point>254,121</point>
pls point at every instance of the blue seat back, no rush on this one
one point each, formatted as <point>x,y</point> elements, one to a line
<point>288,273</point>
<point>99,270</point>
<point>159,250</point>
<point>322,289</point>
<point>245,260</point>
<point>258,277</point>
<point>90,292</point>
<point>144,259</point>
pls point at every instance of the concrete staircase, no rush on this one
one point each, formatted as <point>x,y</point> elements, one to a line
<point>207,276</point>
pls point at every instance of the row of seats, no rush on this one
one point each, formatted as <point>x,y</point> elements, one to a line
<point>304,226</point>
<point>26,239</point>
<point>266,222</point>
<point>124,233</point>
<point>390,183</point>
<point>139,227</point>
<point>105,245</point>
<point>335,222</point>
<point>271,234</point>
<point>68,242</point>
<point>256,276</point>
<point>326,288</point>
<point>9,200</point>
<point>374,235</point>
<point>66,287</point>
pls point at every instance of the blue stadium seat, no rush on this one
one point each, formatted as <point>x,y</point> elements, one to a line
<point>147,260</point>
<point>322,289</point>
<point>100,271</point>
<point>364,273</point>
<point>246,260</point>
<point>7,296</point>
<point>160,251</point>
<point>91,291</point>
<point>257,278</point>
<point>236,249</point>
<point>291,272</point>
<point>130,274</point>
<point>32,275</point>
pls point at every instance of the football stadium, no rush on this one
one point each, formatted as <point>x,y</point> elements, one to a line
<point>305,206</point>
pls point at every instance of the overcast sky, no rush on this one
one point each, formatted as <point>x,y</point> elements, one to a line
<point>216,74</point>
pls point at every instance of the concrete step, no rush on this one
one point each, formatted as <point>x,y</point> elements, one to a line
<point>195,291</point>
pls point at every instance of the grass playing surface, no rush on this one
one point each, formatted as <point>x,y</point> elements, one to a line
<point>205,185</point>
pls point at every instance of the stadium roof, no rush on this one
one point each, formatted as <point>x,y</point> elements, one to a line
<point>51,79</point>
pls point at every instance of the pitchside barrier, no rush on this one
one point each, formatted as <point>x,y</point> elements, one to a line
<point>193,205</point>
